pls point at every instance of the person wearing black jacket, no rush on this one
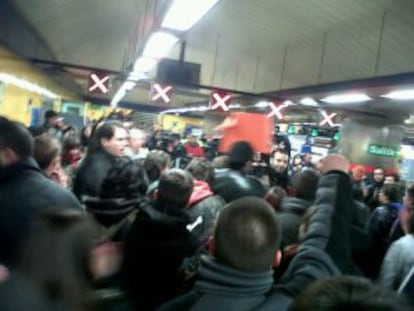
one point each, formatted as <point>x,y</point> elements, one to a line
<point>239,276</point>
<point>303,189</point>
<point>157,243</point>
<point>107,145</point>
<point>24,189</point>
<point>234,183</point>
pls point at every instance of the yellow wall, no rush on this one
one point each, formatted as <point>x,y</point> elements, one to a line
<point>15,101</point>
<point>177,123</point>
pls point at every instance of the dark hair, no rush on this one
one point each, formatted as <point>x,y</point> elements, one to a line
<point>347,293</point>
<point>275,196</point>
<point>102,130</point>
<point>410,192</point>
<point>155,162</point>
<point>56,256</point>
<point>395,176</point>
<point>175,187</point>
<point>305,183</point>
<point>201,170</point>
<point>221,161</point>
<point>392,192</point>
<point>127,179</point>
<point>247,235</point>
<point>46,149</point>
<point>278,150</point>
<point>378,168</point>
<point>411,223</point>
<point>15,136</point>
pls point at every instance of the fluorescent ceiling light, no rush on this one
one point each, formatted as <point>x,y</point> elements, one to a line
<point>288,103</point>
<point>307,101</point>
<point>400,95</point>
<point>144,64</point>
<point>26,85</point>
<point>262,104</point>
<point>346,98</point>
<point>159,45</point>
<point>129,85</point>
<point>184,14</point>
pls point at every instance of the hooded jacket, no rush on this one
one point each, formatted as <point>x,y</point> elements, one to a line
<point>24,192</point>
<point>232,185</point>
<point>290,218</point>
<point>92,172</point>
<point>278,179</point>
<point>155,246</point>
<point>379,226</point>
<point>327,242</point>
<point>204,207</point>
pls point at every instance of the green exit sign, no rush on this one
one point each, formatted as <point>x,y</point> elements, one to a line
<point>383,151</point>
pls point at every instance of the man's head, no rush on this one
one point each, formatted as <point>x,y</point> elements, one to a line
<point>378,175</point>
<point>47,153</point>
<point>358,173</point>
<point>305,184</point>
<point>175,187</point>
<point>389,193</point>
<point>16,143</point>
<point>391,179</point>
<point>137,139</point>
<point>279,160</point>
<point>51,117</point>
<point>247,235</point>
<point>241,154</point>
<point>201,170</point>
<point>347,293</point>
<point>112,137</point>
<point>192,139</point>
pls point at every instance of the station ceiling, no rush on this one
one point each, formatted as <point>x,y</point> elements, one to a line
<point>260,46</point>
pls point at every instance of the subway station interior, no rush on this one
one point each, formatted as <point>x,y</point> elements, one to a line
<point>255,103</point>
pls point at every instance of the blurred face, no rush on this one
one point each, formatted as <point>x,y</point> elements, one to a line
<point>378,175</point>
<point>137,141</point>
<point>7,157</point>
<point>382,198</point>
<point>116,145</point>
<point>389,180</point>
<point>192,139</point>
<point>280,162</point>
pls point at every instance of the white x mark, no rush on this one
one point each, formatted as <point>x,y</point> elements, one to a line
<point>276,110</point>
<point>162,93</point>
<point>99,83</point>
<point>328,118</point>
<point>220,102</point>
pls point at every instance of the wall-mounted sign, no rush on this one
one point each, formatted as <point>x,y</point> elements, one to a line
<point>383,151</point>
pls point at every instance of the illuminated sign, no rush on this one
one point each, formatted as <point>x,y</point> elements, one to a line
<point>383,151</point>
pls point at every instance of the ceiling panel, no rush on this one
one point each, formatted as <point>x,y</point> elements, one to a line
<point>241,44</point>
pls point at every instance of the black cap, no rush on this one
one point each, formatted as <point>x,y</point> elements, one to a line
<point>241,152</point>
<point>50,114</point>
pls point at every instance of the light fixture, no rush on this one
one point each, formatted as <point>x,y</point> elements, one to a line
<point>400,95</point>
<point>288,103</point>
<point>159,45</point>
<point>346,98</point>
<point>144,64</point>
<point>184,14</point>
<point>129,85</point>
<point>307,101</point>
<point>262,104</point>
<point>26,85</point>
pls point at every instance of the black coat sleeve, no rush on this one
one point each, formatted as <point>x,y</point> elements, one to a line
<point>326,249</point>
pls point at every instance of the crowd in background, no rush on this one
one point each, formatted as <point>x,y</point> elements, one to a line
<point>111,217</point>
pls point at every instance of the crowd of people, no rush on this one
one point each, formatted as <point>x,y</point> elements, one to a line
<point>114,218</point>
